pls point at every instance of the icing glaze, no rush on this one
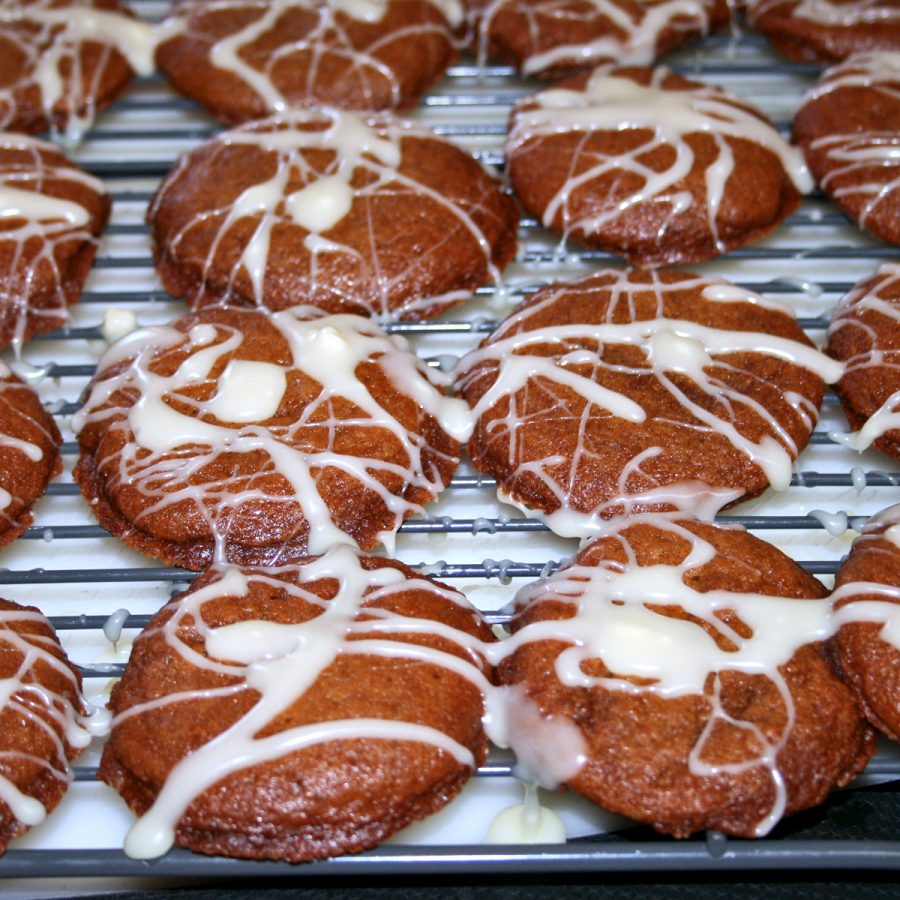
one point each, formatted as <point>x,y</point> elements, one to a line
<point>526,823</point>
<point>283,661</point>
<point>614,103</point>
<point>833,14</point>
<point>244,414</point>
<point>571,356</point>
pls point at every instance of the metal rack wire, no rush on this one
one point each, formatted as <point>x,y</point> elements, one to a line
<point>79,575</point>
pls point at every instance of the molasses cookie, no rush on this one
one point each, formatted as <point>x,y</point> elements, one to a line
<point>350,213</point>
<point>244,59</point>
<point>298,712</point>
<point>679,669</point>
<point>556,37</point>
<point>41,720</point>
<point>640,390</point>
<point>826,31</point>
<point>64,61</point>
<point>651,166</point>
<point>29,454</point>
<point>867,606</point>
<point>53,214</point>
<point>865,336</point>
<point>849,129</point>
<point>256,437</point>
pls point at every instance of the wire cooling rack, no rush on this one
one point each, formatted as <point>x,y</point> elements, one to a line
<point>79,576</point>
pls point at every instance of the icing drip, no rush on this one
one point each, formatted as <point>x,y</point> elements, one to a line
<point>24,696</point>
<point>861,152</point>
<point>244,415</point>
<point>611,103</point>
<point>632,36</point>
<point>530,357</point>
<point>879,296</point>
<point>365,166</point>
<point>328,37</point>
<point>527,823</point>
<point>283,661</point>
<point>40,227</point>
<point>53,40</point>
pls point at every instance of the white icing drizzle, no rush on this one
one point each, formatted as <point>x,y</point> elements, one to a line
<point>670,345</point>
<point>527,823</point>
<point>853,152</point>
<point>52,40</point>
<point>282,662</point>
<point>366,164</point>
<point>631,38</point>
<point>242,417</point>
<point>835,14</point>
<point>614,103</point>
<point>879,295</point>
<point>41,224</point>
<point>117,323</point>
<point>328,36</point>
<point>24,696</point>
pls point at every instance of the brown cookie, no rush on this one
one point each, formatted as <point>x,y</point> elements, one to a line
<point>64,61</point>
<point>41,720</point>
<point>634,390</point>
<point>651,166</point>
<point>867,606</point>
<point>351,213</point>
<point>865,335</point>
<point>557,37</point>
<point>256,437</point>
<point>826,31</point>
<point>849,129</point>
<point>49,235</point>
<point>298,712</point>
<point>29,454</point>
<point>244,60</point>
<point>681,663</point>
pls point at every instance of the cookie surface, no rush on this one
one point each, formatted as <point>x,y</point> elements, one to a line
<point>243,59</point>
<point>681,662</point>
<point>651,166</point>
<point>630,390</point>
<point>849,128</point>
<point>867,604</point>
<point>556,37</point>
<point>256,437</point>
<point>351,213</point>
<point>49,235</point>
<point>41,720</point>
<point>29,454</point>
<point>298,712</point>
<point>64,61</point>
<point>865,335</point>
<point>826,31</point>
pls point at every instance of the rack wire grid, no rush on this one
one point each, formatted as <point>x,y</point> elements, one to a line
<point>79,575</point>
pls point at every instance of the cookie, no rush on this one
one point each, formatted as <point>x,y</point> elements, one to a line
<point>865,335</point>
<point>637,390</point>
<point>29,454</point>
<point>867,606</point>
<point>244,60</point>
<point>253,437</point>
<point>350,213</point>
<point>298,712</point>
<point>848,126</point>
<point>826,31</point>
<point>42,720</point>
<point>54,214</point>
<point>680,670</point>
<point>651,166</point>
<point>64,61</point>
<point>556,37</point>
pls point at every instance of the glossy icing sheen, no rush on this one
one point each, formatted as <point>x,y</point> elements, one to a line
<point>246,396</point>
<point>40,220</point>
<point>24,696</point>
<point>282,662</point>
<point>670,346</point>
<point>831,14</point>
